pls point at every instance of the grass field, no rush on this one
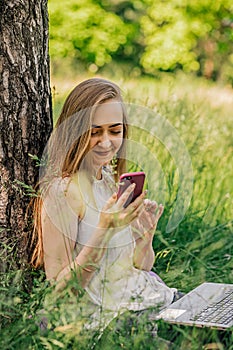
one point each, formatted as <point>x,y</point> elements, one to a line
<point>199,249</point>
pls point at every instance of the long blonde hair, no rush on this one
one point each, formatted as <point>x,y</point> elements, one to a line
<point>69,143</point>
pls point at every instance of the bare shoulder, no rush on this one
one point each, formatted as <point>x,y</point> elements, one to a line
<point>75,196</point>
<point>65,193</point>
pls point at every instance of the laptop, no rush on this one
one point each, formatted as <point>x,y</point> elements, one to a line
<point>208,305</point>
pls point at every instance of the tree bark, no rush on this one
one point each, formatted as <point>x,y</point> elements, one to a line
<point>25,117</point>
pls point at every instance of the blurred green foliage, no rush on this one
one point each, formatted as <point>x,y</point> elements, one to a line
<point>194,35</point>
<point>84,30</point>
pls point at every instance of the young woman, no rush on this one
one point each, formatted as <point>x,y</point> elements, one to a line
<point>82,229</point>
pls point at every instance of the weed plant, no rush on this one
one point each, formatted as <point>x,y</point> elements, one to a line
<point>199,249</point>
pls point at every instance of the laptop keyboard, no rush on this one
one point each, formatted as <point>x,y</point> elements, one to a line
<point>219,312</point>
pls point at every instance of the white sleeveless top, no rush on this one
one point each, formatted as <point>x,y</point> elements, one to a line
<point>118,285</point>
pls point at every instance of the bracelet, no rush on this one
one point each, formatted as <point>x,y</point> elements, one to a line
<point>85,268</point>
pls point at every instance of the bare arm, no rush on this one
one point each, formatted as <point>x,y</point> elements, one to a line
<point>144,255</point>
<point>144,228</point>
<point>59,259</point>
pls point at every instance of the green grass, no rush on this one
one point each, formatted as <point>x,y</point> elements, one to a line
<point>199,249</point>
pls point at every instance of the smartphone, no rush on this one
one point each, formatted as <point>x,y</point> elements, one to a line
<point>126,180</point>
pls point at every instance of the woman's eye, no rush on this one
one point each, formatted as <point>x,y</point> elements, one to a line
<point>94,133</point>
<point>116,132</point>
<point>99,132</point>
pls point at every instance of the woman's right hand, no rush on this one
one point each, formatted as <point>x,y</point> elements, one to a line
<point>115,215</point>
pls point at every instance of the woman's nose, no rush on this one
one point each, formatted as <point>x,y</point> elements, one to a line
<point>105,140</point>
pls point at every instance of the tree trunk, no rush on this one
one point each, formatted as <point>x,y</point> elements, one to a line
<point>25,117</point>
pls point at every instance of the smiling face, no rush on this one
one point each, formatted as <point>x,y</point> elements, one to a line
<point>106,133</point>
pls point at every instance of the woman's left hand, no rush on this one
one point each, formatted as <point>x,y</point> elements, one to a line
<point>147,220</point>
